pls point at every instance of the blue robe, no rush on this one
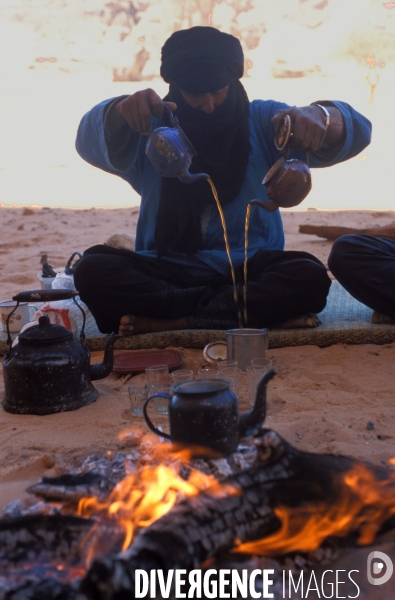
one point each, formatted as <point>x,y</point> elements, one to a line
<point>266,228</point>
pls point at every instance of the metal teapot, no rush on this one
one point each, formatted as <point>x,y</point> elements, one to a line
<point>288,181</point>
<point>171,152</point>
<point>203,415</point>
<point>48,371</point>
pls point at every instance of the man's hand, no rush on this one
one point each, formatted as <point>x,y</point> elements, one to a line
<point>138,109</point>
<point>308,126</point>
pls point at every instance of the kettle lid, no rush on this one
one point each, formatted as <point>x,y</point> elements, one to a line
<point>43,333</point>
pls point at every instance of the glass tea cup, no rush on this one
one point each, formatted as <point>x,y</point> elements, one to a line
<point>233,375</point>
<point>262,363</point>
<point>158,375</point>
<point>208,373</point>
<point>254,375</point>
<point>222,364</point>
<point>181,375</point>
<point>161,403</point>
<point>137,396</point>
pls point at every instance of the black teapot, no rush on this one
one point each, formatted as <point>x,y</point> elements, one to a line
<point>48,371</point>
<point>203,415</point>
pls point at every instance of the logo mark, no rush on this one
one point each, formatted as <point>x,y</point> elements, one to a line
<point>377,567</point>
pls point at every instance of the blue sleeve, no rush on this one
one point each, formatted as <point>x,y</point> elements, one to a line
<point>91,146</point>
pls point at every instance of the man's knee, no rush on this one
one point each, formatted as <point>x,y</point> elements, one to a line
<point>344,253</point>
<point>87,272</point>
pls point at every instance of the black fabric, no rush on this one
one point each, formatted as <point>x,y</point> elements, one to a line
<point>365,267</point>
<point>281,285</point>
<point>201,59</point>
<point>221,141</point>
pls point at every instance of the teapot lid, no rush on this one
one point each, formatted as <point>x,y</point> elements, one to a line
<point>44,333</point>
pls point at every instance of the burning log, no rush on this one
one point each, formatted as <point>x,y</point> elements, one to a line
<point>204,526</point>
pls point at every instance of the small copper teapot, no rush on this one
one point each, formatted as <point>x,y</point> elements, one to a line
<point>171,152</point>
<point>288,181</point>
<point>49,371</point>
<point>203,415</point>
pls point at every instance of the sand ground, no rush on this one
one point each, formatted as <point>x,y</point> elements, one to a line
<point>321,400</point>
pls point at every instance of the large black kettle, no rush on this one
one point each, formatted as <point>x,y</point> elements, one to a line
<point>49,371</point>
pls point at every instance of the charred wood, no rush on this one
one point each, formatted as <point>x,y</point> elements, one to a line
<point>204,526</point>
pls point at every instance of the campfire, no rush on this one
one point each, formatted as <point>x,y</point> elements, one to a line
<point>155,508</point>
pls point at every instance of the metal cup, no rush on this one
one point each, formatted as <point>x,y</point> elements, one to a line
<point>245,344</point>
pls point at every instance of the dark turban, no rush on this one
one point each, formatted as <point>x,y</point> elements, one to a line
<point>201,59</point>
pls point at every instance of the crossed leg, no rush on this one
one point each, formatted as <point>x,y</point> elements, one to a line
<point>135,294</point>
<point>365,267</point>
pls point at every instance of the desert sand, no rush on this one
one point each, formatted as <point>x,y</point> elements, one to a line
<point>321,400</point>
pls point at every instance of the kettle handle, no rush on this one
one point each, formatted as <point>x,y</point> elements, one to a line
<point>44,295</point>
<point>52,296</point>
<point>148,420</point>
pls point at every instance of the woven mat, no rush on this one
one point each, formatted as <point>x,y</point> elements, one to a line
<point>344,320</point>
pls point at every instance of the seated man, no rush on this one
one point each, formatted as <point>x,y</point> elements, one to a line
<point>365,266</point>
<point>180,277</point>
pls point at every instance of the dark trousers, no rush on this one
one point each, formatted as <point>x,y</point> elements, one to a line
<point>281,285</point>
<point>365,266</point>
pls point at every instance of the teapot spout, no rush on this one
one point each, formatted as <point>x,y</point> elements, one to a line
<point>104,369</point>
<point>257,415</point>
<point>270,206</point>
<point>188,177</point>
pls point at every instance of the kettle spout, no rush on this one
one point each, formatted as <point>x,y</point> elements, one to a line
<point>104,369</point>
<point>188,177</point>
<point>256,416</point>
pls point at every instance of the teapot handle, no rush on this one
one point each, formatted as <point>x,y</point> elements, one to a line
<point>148,420</point>
<point>44,295</point>
<point>168,117</point>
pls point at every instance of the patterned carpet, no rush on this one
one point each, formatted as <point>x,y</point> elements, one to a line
<point>344,320</point>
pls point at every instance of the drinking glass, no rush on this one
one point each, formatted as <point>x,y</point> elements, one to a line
<point>254,374</point>
<point>262,363</point>
<point>161,404</point>
<point>221,364</point>
<point>137,396</point>
<point>181,375</point>
<point>233,374</point>
<point>158,375</point>
<point>208,373</point>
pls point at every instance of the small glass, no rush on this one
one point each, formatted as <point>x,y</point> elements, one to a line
<point>158,375</point>
<point>181,375</point>
<point>233,374</point>
<point>137,396</point>
<point>162,404</point>
<point>262,363</point>
<point>254,374</point>
<point>208,373</point>
<point>222,364</point>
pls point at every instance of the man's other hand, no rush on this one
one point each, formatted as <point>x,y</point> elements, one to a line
<point>308,126</point>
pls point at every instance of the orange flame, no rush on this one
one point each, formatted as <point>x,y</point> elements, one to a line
<point>150,492</point>
<point>364,504</point>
